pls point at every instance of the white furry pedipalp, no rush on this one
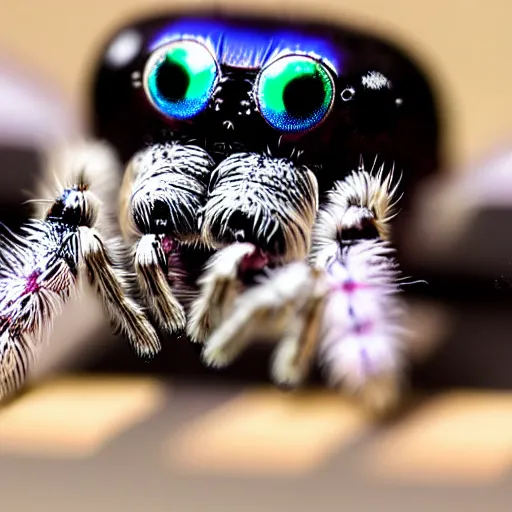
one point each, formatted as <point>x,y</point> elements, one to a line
<point>172,174</point>
<point>163,191</point>
<point>274,194</point>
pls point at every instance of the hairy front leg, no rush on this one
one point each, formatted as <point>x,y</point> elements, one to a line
<point>361,346</point>
<point>361,342</point>
<point>40,269</point>
<point>293,357</point>
<point>263,311</point>
<point>36,280</point>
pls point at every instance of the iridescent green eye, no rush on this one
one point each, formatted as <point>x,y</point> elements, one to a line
<point>295,93</point>
<point>179,78</point>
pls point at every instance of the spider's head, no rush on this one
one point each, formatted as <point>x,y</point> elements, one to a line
<point>239,86</point>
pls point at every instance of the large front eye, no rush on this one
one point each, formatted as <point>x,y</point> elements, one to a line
<point>295,93</point>
<point>179,78</point>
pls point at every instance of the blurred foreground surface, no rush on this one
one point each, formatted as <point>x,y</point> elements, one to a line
<point>131,443</point>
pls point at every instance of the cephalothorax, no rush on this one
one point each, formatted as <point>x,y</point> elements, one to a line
<point>237,207</point>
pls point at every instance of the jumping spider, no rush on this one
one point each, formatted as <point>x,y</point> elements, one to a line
<point>245,207</point>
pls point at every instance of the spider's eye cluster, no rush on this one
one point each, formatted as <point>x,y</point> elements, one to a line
<point>295,93</point>
<point>179,78</point>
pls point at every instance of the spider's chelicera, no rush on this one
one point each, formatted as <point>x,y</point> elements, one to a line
<point>250,212</point>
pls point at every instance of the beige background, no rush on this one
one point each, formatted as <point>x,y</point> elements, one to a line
<point>466,46</point>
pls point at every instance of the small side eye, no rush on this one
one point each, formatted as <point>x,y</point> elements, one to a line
<point>179,78</point>
<point>294,93</point>
<point>347,94</point>
<point>372,101</point>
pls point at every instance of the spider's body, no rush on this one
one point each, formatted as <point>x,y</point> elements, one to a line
<point>233,131</point>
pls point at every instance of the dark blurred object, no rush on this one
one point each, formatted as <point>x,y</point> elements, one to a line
<point>33,118</point>
<point>461,226</point>
<point>459,239</point>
